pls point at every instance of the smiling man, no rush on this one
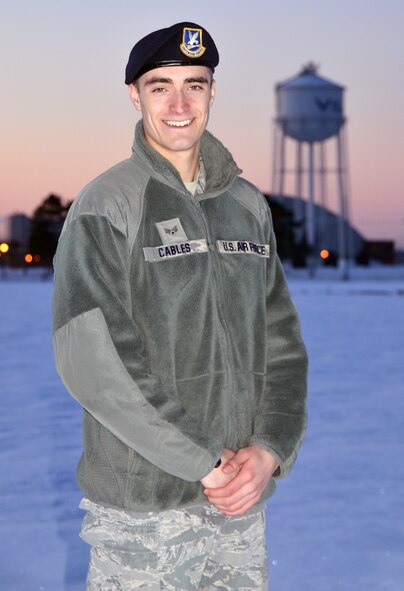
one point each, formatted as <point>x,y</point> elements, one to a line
<point>175,331</point>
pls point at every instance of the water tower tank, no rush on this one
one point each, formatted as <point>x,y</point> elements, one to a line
<point>309,107</point>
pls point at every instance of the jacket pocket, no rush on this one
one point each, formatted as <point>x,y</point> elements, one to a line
<point>140,482</point>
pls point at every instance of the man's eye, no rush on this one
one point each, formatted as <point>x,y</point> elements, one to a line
<point>196,87</point>
<point>159,89</point>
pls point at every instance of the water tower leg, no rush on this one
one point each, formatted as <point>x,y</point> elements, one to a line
<point>299,169</point>
<point>281,164</point>
<point>342,226</point>
<point>347,193</point>
<point>322,232</point>
<point>310,214</point>
<point>274,181</point>
<point>298,207</point>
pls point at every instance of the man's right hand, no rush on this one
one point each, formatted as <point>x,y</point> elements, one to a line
<point>216,478</point>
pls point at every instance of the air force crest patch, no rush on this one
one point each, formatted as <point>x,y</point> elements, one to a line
<point>191,45</point>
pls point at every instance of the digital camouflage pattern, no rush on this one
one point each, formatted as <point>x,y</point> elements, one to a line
<point>179,550</point>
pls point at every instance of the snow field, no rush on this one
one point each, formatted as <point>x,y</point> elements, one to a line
<point>336,523</point>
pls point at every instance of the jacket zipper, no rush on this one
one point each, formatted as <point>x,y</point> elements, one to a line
<point>226,339</point>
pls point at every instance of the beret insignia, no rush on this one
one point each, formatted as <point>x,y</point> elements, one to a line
<point>191,44</point>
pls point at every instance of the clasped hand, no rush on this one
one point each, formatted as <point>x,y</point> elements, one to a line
<point>240,480</point>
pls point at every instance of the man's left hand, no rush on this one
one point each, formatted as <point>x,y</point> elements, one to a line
<point>254,467</point>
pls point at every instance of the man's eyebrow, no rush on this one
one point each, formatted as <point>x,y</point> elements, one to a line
<point>197,79</point>
<point>191,80</point>
<point>158,80</point>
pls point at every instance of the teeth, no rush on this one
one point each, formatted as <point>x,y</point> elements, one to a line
<point>178,123</point>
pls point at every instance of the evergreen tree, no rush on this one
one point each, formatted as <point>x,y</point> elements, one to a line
<point>47,223</point>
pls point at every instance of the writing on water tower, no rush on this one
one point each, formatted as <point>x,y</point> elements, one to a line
<point>328,105</point>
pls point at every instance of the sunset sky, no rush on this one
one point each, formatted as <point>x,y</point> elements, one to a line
<point>66,117</point>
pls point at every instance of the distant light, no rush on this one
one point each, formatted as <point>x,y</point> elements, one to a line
<point>28,258</point>
<point>37,258</point>
<point>4,247</point>
<point>324,254</point>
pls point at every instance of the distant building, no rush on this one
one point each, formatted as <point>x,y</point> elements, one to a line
<point>327,227</point>
<point>15,229</point>
<point>380,250</point>
<point>20,229</point>
<point>4,230</point>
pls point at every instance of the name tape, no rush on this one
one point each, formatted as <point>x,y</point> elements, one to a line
<point>170,251</point>
<point>242,247</point>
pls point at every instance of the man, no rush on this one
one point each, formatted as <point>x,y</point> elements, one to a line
<point>174,329</point>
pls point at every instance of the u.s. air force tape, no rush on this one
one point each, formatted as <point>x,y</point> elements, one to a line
<point>243,247</point>
<point>178,249</point>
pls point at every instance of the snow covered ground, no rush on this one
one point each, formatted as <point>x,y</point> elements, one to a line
<point>335,524</point>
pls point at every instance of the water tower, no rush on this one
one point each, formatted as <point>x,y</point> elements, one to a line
<point>309,112</point>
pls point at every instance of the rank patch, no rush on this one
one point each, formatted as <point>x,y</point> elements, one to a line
<point>171,231</point>
<point>191,45</point>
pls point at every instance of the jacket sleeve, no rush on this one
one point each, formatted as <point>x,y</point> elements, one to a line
<point>99,352</point>
<point>280,420</point>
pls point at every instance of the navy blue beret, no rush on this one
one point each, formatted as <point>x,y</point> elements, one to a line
<point>183,44</point>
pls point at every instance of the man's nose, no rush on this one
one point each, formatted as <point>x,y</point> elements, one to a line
<point>179,102</point>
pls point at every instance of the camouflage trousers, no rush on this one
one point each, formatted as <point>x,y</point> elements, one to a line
<point>191,549</point>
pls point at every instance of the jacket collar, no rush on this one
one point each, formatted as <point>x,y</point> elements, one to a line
<point>220,167</point>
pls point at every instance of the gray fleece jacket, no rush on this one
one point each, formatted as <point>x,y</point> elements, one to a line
<point>174,329</point>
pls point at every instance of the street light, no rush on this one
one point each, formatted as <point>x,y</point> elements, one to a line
<point>4,248</point>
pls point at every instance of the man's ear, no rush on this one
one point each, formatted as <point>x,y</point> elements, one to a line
<point>212,92</point>
<point>134,96</point>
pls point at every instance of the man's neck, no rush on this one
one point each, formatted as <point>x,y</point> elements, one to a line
<point>186,162</point>
<point>187,165</point>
